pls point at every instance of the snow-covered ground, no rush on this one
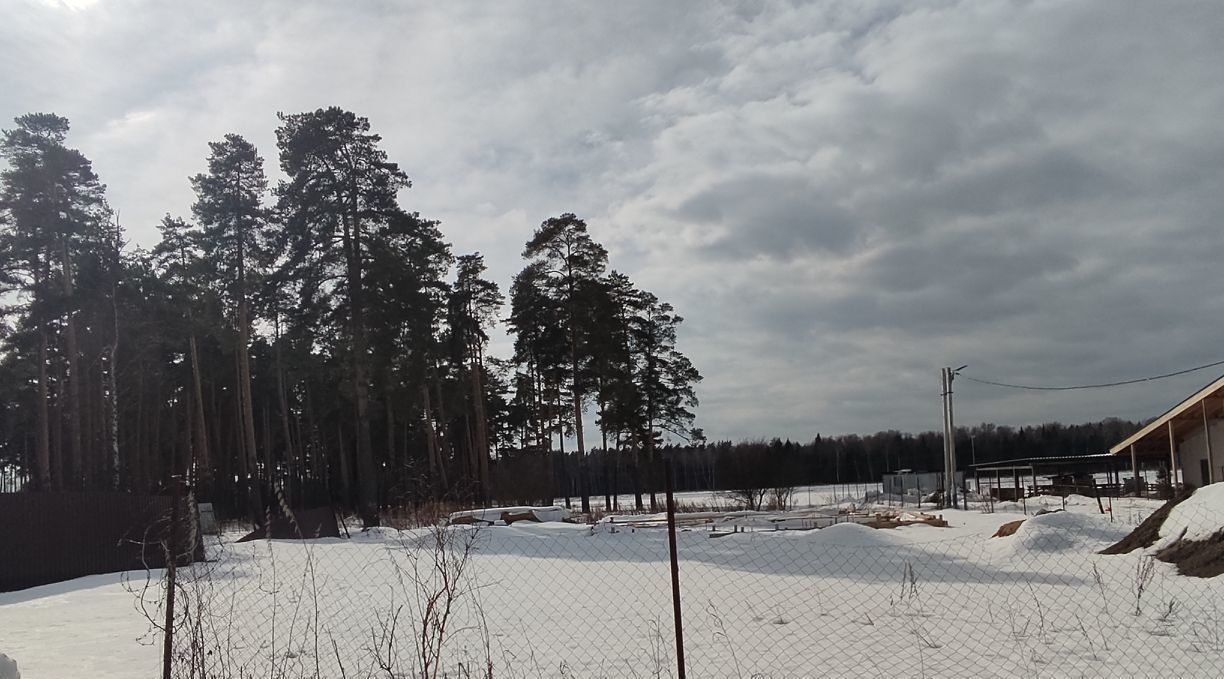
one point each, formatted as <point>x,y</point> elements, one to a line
<point>570,600</point>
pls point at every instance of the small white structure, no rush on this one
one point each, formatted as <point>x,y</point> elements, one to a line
<point>1186,439</point>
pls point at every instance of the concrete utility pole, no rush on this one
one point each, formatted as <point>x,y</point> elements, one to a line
<point>947,480</point>
<point>950,489</point>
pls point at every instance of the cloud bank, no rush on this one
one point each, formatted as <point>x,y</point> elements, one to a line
<point>840,198</point>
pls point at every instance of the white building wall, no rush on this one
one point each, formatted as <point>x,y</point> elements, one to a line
<point>1192,451</point>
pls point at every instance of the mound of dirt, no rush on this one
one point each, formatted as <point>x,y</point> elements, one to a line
<point>304,524</point>
<point>1196,558</point>
<point>1186,532</point>
<point>1147,533</point>
<point>1008,528</point>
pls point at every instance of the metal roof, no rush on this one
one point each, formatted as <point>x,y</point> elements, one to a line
<point>1046,461</point>
<point>1182,418</point>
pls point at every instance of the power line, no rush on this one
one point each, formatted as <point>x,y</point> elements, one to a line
<point>1093,386</point>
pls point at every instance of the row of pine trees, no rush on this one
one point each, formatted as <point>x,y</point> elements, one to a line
<point>312,338</point>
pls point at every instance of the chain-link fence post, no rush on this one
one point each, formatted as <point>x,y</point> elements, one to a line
<point>675,565</point>
<point>171,555</point>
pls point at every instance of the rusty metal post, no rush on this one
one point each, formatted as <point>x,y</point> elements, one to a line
<point>675,565</point>
<point>171,552</point>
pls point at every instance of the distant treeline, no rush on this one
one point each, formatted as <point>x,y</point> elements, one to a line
<point>852,458</point>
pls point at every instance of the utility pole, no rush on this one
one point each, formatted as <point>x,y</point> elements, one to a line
<point>950,490</point>
<point>947,481</point>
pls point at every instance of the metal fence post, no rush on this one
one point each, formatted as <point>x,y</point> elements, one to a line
<point>171,552</point>
<point>675,565</point>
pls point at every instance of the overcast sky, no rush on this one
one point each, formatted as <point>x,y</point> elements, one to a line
<point>839,197</point>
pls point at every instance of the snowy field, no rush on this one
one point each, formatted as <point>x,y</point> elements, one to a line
<point>561,600</point>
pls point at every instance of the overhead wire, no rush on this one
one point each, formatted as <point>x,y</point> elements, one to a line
<point>1103,385</point>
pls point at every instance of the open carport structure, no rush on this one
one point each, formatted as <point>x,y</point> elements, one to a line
<point>1020,470</point>
<point>1181,440</point>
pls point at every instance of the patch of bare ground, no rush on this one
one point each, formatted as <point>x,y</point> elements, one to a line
<point>1008,528</point>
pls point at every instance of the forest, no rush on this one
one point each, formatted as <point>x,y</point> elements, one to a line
<point>313,338</point>
<point>315,341</point>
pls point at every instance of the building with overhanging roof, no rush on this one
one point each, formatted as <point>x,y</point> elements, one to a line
<point>1185,439</point>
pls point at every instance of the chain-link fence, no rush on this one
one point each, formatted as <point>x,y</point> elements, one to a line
<point>842,590</point>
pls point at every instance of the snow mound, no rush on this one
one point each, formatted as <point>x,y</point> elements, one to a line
<point>852,535</point>
<point>1059,533</point>
<point>1199,517</point>
<point>8,668</point>
<point>1191,535</point>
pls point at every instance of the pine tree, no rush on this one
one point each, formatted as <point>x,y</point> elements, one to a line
<point>540,347</point>
<point>407,297</point>
<point>663,377</point>
<point>471,310</point>
<point>340,185</point>
<point>229,207</point>
<point>179,261</point>
<point>57,216</point>
<point>573,263</point>
<point>611,369</point>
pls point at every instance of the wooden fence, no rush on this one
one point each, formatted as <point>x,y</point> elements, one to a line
<point>51,537</point>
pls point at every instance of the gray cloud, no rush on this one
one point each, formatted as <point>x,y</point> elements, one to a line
<point>839,197</point>
<point>780,217</point>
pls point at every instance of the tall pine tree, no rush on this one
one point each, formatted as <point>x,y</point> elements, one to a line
<point>229,207</point>
<point>340,185</point>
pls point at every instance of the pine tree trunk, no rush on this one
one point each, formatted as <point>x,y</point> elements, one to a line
<point>247,411</point>
<point>482,432</point>
<point>203,462</point>
<point>565,477</point>
<point>113,365</point>
<point>367,487</point>
<point>537,388</point>
<point>469,456</point>
<point>137,443</point>
<point>345,473</point>
<point>189,410</point>
<point>246,451</point>
<point>637,479</point>
<point>616,470</point>
<point>45,481</point>
<point>389,416</point>
<point>76,453</point>
<point>95,431</point>
<point>437,470</point>
<point>609,487</point>
<point>291,457</point>
<point>444,444</point>
<point>155,423</point>
<point>114,407</point>
<point>269,460</point>
<point>583,473</point>
<point>62,470</point>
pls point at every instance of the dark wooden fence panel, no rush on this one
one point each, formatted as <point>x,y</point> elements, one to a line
<point>51,537</point>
